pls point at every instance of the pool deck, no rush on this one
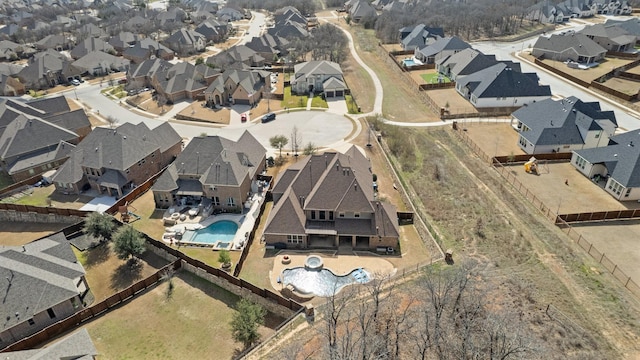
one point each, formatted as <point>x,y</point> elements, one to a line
<point>245,223</point>
<point>338,264</point>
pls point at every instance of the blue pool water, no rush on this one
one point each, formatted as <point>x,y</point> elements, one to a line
<point>408,62</point>
<point>321,282</point>
<point>218,232</point>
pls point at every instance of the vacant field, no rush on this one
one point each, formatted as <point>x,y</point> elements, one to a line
<point>194,320</point>
<point>198,111</point>
<point>622,248</point>
<point>590,74</point>
<point>360,84</point>
<point>20,233</point>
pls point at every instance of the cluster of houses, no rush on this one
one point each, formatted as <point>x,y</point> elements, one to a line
<point>548,12</point>
<point>590,45</point>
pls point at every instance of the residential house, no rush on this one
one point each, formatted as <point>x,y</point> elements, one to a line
<point>327,201</point>
<point>612,38</point>
<point>419,36</point>
<point>90,30</point>
<point>47,69</point>
<point>147,49</point>
<point>269,47</point>
<point>136,23</point>
<point>43,283</point>
<point>289,14</point>
<point>578,8</point>
<point>237,57</point>
<point>9,29</point>
<point>632,26</point>
<point>11,86</point>
<point>75,346</point>
<point>442,47</point>
<point>562,126</point>
<point>12,51</point>
<point>173,15</point>
<point>38,136</point>
<point>467,62</point>
<point>228,14</point>
<point>244,87</point>
<point>545,13</point>
<point>122,41</point>
<point>615,166</point>
<point>213,170</point>
<point>54,42</point>
<point>89,45</point>
<point>612,7</point>
<point>112,161</point>
<point>360,10</point>
<point>141,75</point>
<point>500,86</point>
<point>574,47</point>
<point>182,80</point>
<point>213,30</point>
<point>319,77</point>
<point>186,42</point>
<point>98,63</point>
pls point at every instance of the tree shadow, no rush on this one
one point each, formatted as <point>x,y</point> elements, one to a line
<point>97,254</point>
<point>126,274</point>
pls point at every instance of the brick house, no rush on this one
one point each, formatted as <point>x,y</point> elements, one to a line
<point>112,161</point>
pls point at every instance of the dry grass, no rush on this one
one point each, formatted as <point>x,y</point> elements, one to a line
<point>19,233</point>
<point>259,261</point>
<point>626,86</point>
<point>194,321</point>
<point>457,104</point>
<point>106,274</point>
<point>206,114</point>
<point>498,139</point>
<point>586,75</point>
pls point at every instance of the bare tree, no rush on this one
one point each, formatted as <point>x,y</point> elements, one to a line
<point>296,139</point>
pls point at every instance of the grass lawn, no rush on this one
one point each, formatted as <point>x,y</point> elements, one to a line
<point>106,274</point>
<point>209,256</point>
<point>293,101</point>
<point>432,78</point>
<point>319,102</point>
<point>38,197</point>
<point>351,105</point>
<point>194,321</point>
<point>259,262</point>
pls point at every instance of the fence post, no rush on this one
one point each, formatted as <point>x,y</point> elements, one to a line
<point>601,257</point>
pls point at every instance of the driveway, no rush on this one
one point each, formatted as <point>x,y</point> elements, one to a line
<point>337,105</point>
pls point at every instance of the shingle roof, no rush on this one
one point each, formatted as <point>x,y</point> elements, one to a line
<point>77,346</point>
<point>501,81</point>
<point>578,43</point>
<point>89,45</point>
<point>564,121</point>
<point>621,158</point>
<point>442,44</point>
<point>42,156</point>
<point>23,135</point>
<point>37,276</point>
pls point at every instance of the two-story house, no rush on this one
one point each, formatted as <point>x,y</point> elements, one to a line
<point>562,126</point>
<point>318,77</point>
<point>43,283</point>
<point>327,201</point>
<point>185,42</point>
<point>244,87</point>
<point>212,170</point>
<point>113,161</point>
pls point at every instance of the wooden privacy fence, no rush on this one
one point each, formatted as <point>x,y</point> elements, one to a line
<point>521,158</point>
<point>562,221</point>
<point>614,92</point>
<point>252,235</point>
<point>562,73</point>
<point>135,193</point>
<point>44,210</point>
<point>599,216</point>
<point>91,312</point>
<point>26,182</point>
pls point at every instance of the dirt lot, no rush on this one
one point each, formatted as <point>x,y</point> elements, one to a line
<point>586,75</point>
<point>626,86</point>
<point>499,139</point>
<point>622,248</point>
<point>457,104</point>
<point>20,233</point>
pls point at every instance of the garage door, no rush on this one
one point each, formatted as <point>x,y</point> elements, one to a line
<point>242,102</point>
<point>339,93</point>
<point>328,94</point>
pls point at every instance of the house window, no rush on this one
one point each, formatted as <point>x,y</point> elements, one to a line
<point>215,200</point>
<point>313,215</point>
<point>580,162</point>
<point>322,215</point>
<point>231,202</point>
<point>31,322</point>
<point>615,187</point>
<point>52,315</point>
<point>295,239</point>
<point>356,215</point>
<point>31,172</point>
<point>330,215</point>
<point>341,214</point>
<point>127,171</point>
<point>626,194</point>
<point>597,135</point>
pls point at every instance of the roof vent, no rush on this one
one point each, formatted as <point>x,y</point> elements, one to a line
<point>96,149</point>
<point>631,143</point>
<point>125,137</point>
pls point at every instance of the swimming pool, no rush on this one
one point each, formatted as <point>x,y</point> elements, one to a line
<point>409,62</point>
<point>219,232</point>
<point>321,282</point>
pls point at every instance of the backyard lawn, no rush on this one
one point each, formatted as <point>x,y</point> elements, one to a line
<point>194,320</point>
<point>434,78</point>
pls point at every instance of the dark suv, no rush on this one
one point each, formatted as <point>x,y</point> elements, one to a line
<point>268,117</point>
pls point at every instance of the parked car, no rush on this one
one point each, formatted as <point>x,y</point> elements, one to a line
<point>75,82</point>
<point>243,117</point>
<point>268,117</point>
